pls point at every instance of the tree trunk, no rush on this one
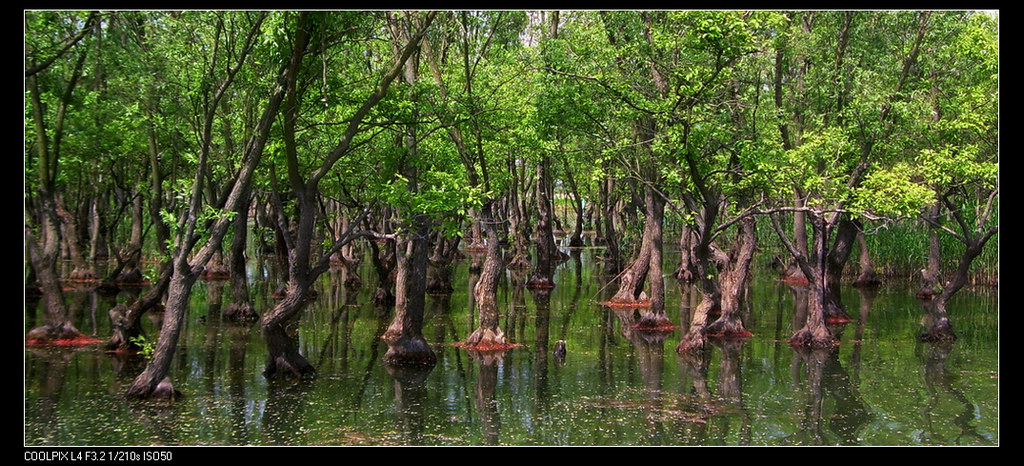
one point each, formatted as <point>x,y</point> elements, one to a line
<point>488,335</point>
<point>476,234</point>
<point>406,345</point>
<point>98,249</point>
<point>440,273</point>
<point>240,309</point>
<point>868,277</point>
<point>519,222</point>
<point>383,259</point>
<point>154,382</point>
<point>576,240</point>
<point>82,268</point>
<point>687,270</point>
<point>631,280</point>
<point>653,317</point>
<point>815,334</point>
<point>695,339</point>
<point>734,282</point>
<point>127,320</point>
<point>937,320</point>
<point>43,253</point>
<point>835,262</point>
<point>544,271</point>
<point>283,357</point>
<point>794,274</point>
<point>131,274</point>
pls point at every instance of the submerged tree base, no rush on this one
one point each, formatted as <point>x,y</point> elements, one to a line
<point>655,322</point>
<point>728,330</point>
<point>540,284</point>
<point>813,340</point>
<point>487,341</point>
<point>241,313</point>
<point>58,335</point>
<point>410,352</point>
<point>283,367</point>
<point>941,331</point>
<point>162,391</point>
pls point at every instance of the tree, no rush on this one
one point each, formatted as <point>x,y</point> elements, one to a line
<point>956,161</point>
<point>859,116</point>
<point>471,62</point>
<point>283,355</point>
<point>43,219</point>
<point>154,382</point>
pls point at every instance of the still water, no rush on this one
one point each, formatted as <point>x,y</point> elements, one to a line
<point>615,386</point>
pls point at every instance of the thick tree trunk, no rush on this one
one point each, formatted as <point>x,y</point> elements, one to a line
<point>576,239</point>
<point>734,283</point>
<point>406,345</point>
<point>82,268</point>
<point>938,326</point>
<point>43,253</point>
<point>127,320</point>
<point>695,338</point>
<point>154,381</point>
<point>488,335</point>
<point>283,357</point>
<point>653,316</point>
<point>440,273</point>
<point>793,273</point>
<point>131,274</point>
<point>240,309</point>
<point>815,332</point>
<point>631,280</point>
<point>476,235</point>
<point>687,270</point>
<point>519,222</point>
<point>383,259</point>
<point>836,258</point>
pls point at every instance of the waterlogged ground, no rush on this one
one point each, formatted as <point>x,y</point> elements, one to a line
<point>615,386</point>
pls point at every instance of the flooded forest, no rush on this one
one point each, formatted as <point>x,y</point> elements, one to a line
<point>498,227</point>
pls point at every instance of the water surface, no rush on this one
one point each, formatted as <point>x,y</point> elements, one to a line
<point>616,386</point>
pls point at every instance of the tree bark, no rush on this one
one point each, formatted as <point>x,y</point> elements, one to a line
<point>127,320</point>
<point>43,253</point>
<point>154,382</point>
<point>544,271</point>
<point>241,308</point>
<point>734,282</point>
<point>815,333</point>
<point>836,258</point>
<point>867,277</point>
<point>406,344</point>
<point>937,320</point>
<point>653,316</point>
<point>488,335</point>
